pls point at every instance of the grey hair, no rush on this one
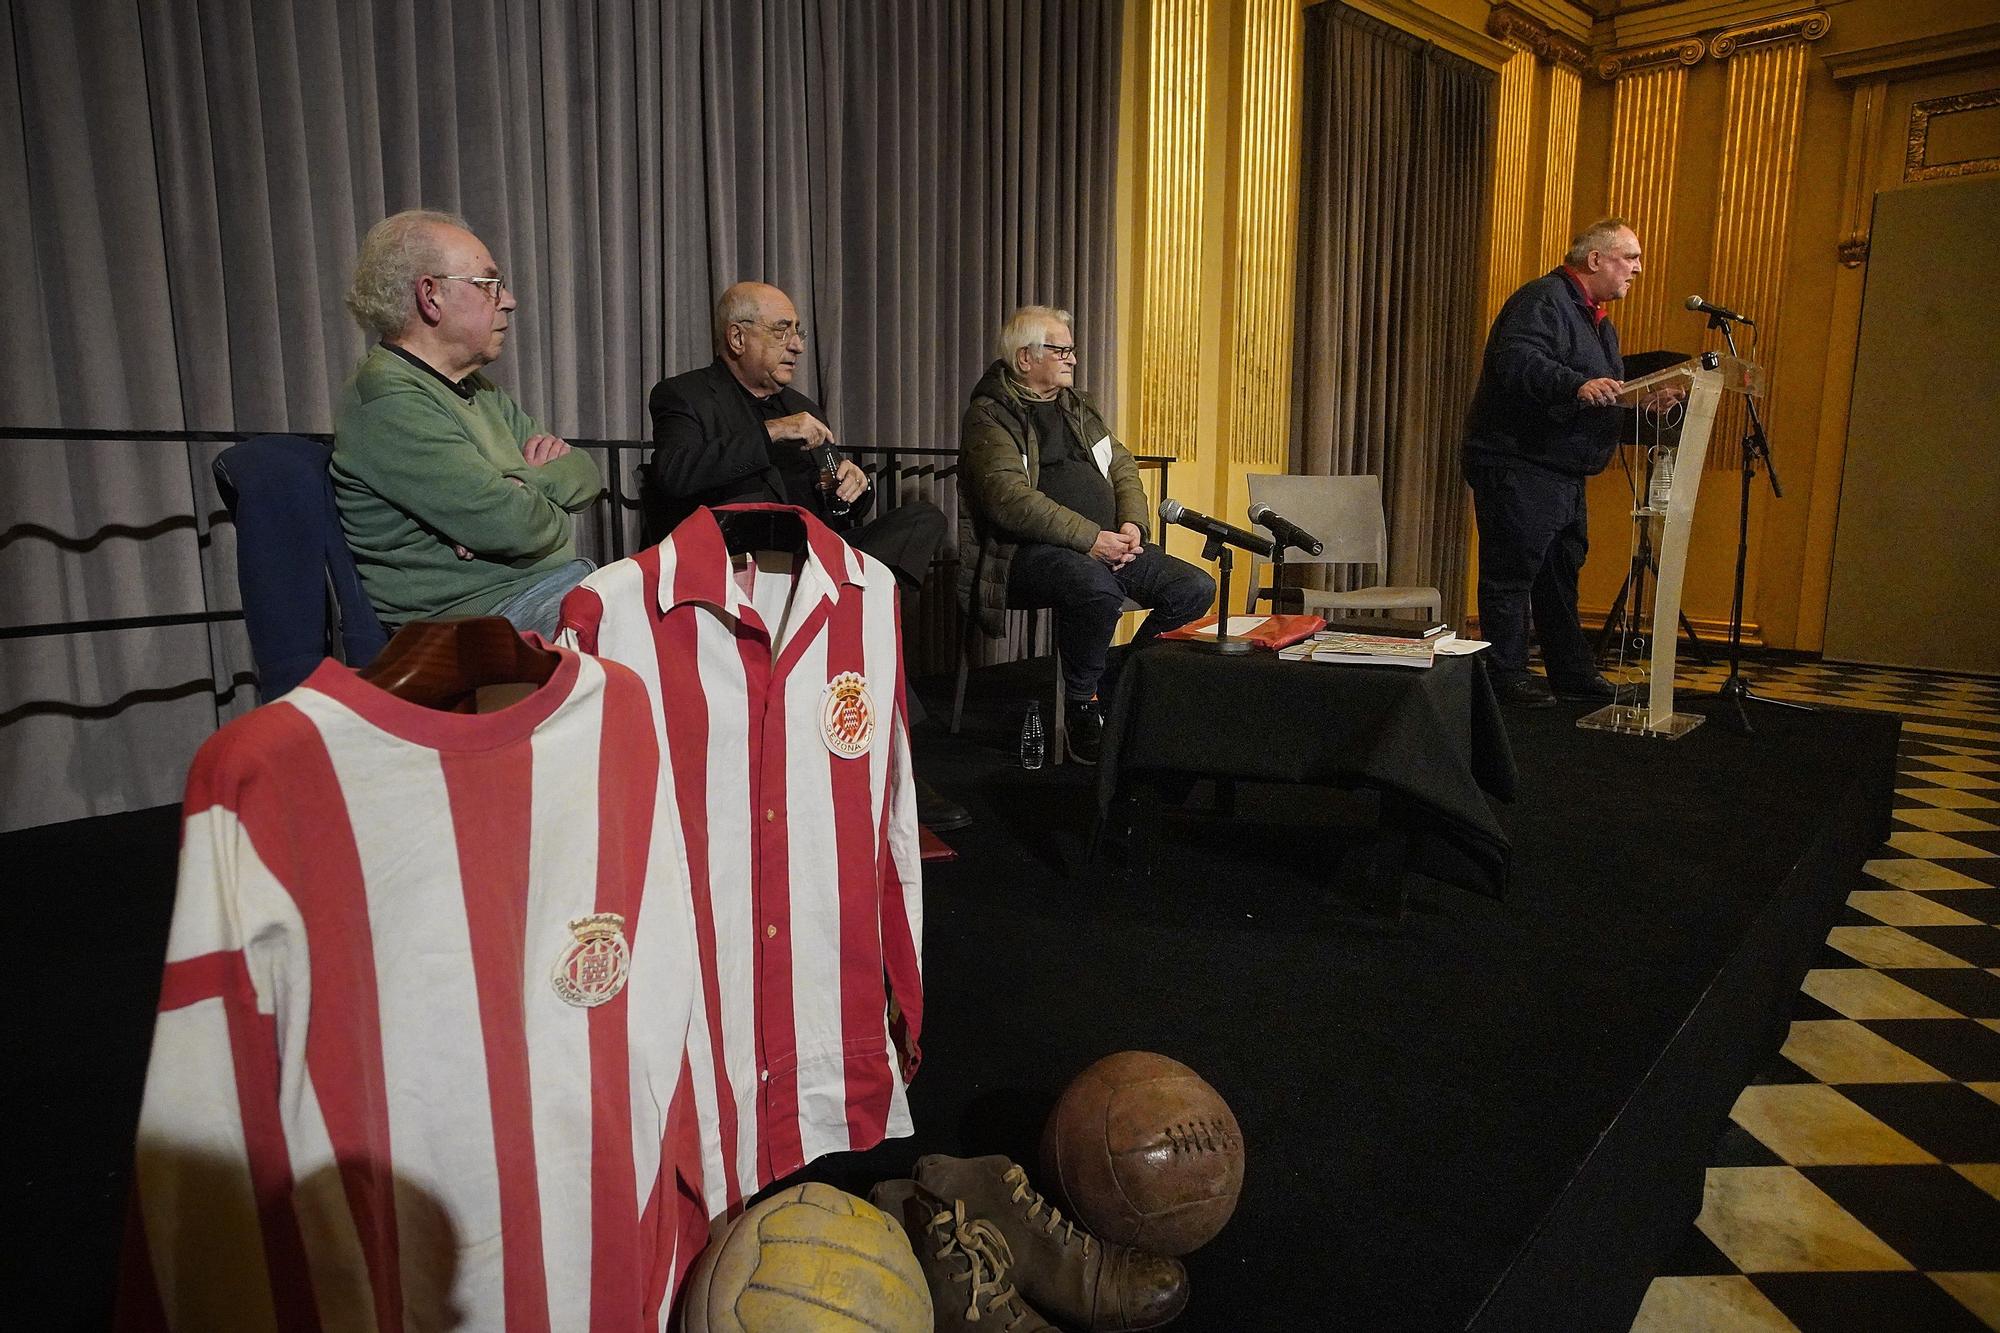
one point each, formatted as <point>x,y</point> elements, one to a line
<point>396,252</point>
<point>1026,328</point>
<point>1597,236</point>
<point>739,305</point>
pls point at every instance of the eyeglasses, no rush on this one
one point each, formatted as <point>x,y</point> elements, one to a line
<point>1061,351</point>
<point>492,286</point>
<point>784,330</point>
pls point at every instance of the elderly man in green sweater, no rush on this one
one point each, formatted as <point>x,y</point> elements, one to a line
<point>454,501</point>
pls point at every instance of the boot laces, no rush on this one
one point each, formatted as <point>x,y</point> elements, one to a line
<point>987,1261</point>
<point>1025,1193</point>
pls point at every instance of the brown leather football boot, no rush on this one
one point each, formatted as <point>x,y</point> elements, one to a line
<point>1082,1281</point>
<point>964,1259</point>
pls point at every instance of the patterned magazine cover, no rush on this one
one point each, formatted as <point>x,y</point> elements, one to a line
<point>1364,649</point>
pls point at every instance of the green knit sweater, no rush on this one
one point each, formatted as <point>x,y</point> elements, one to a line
<point>417,469</point>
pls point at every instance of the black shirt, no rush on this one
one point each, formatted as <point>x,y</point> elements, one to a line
<point>1069,475</point>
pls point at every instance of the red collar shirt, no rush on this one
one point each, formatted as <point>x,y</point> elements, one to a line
<point>420,1057</point>
<point>777,682</point>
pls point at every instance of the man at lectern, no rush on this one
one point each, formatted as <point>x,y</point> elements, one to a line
<point>1543,421</point>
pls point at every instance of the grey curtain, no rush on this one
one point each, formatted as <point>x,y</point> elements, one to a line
<point>1388,338</point>
<point>184,184</point>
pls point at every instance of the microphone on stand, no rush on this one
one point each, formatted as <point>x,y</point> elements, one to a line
<point>1286,531</point>
<point>1173,511</point>
<point>1699,306</point>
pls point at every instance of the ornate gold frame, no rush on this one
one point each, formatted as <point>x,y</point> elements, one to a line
<point>1916,166</point>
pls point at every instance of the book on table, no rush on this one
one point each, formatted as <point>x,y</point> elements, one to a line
<point>1390,627</point>
<point>1363,650</point>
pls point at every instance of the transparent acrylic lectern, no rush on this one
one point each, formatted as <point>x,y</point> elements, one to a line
<point>1669,416</point>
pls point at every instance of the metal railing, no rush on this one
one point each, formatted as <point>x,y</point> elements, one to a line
<point>614,506</point>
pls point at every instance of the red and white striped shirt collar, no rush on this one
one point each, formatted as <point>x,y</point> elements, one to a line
<point>694,562</point>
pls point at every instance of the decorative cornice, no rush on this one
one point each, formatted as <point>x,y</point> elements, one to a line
<point>1640,59</point>
<point>1807,26</point>
<point>1551,47</point>
<point>1927,55</point>
<point>1417,19</point>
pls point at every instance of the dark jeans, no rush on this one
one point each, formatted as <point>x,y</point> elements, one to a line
<point>1532,542</point>
<point>1087,595</point>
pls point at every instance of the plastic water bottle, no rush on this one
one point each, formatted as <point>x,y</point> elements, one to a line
<point>1033,741</point>
<point>1663,479</point>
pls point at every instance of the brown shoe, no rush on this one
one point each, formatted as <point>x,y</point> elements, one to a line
<point>1077,1278</point>
<point>965,1259</point>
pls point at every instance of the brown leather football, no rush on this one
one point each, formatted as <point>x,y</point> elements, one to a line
<point>1145,1153</point>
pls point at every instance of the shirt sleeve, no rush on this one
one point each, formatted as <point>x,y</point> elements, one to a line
<point>902,911</point>
<point>1522,355</point>
<point>215,1241</point>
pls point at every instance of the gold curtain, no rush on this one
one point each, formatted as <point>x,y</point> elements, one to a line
<point>1753,211</point>
<point>1514,96</point>
<point>1645,142</point>
<point>1559,167</point>
<point>1176,125</point>
<point>1259,412</point>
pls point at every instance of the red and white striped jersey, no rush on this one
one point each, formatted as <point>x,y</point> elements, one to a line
<point>420,1055</point>
<point>779,695</point>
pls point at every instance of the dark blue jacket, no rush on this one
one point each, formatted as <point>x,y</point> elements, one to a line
<point>293,568</point>
<point>1543,348</point>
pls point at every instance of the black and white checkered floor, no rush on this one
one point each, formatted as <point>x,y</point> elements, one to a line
<point>1858,1186</point>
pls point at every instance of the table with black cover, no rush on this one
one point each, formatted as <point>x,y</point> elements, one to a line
<point>1429,739</point>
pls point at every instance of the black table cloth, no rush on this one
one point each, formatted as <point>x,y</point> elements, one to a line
<point>1430,739</point>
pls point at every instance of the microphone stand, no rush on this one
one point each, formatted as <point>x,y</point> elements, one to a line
<point>1218,551</point>
<point>1735,692</point>
<point>1277,562</point>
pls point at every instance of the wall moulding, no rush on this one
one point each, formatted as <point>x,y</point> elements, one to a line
<point>1548,46</point>
<point>1807,26</point>
<point>1640,59</point>
<point>1917,165</point>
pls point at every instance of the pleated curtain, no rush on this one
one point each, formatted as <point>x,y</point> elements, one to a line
<point>184,185</point>
<point>1392,179</point>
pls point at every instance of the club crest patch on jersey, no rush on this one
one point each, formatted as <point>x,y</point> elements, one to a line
<point>847,715</point>
<point>592,969</point>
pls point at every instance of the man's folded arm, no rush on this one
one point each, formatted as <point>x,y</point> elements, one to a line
<point>437,475</point>
<point>687,460</point>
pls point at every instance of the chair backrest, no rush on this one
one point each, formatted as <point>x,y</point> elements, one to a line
<point>1343,512</point>
<point>302,597</point>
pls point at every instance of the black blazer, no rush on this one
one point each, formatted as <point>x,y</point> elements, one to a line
<point>710,448</point>
<point>1543,348</point>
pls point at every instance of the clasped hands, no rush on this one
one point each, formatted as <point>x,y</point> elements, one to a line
<point>811,432</point>
<point>1120,548</point>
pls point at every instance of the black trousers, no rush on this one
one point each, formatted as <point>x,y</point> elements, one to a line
<point>906,539</point>
<point>1532,542</point>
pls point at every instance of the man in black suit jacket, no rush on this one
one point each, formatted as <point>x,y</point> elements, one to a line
<point>735,432</point>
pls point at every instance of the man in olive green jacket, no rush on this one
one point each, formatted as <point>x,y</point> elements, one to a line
<point>1052,506</point>
<point>454,502</point>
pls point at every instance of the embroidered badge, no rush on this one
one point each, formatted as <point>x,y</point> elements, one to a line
<point>592,969</point>
<point>847,715</point>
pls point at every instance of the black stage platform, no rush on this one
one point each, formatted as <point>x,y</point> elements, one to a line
<point>1494,1114</point>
